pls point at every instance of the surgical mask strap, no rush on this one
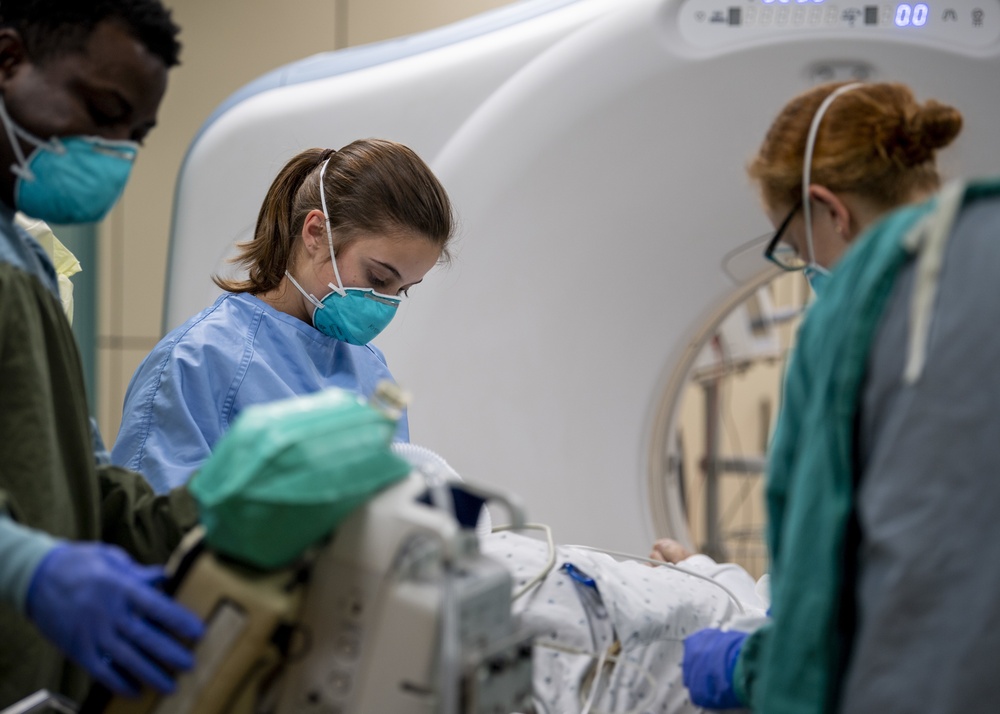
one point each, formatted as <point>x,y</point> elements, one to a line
<point>807,162</point>
<point>309,296</point>
<point>339,287</point>
<point>14,131</point>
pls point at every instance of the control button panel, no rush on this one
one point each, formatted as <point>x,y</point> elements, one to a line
<point>965,23</point>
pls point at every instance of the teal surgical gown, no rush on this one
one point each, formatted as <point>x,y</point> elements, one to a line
<point>238,352</point>
<point>797,662</point>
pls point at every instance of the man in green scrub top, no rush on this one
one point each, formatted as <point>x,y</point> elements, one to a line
<point>80,85</point>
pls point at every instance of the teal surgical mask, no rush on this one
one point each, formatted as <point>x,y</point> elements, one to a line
<point>817,276</point>
<point>353,315</point>
<point>72,179</point>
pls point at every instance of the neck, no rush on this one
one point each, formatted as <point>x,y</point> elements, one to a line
<point>285,298</point>
<point>865,214</point>
<point>8,157</point>
<point>7,177</point>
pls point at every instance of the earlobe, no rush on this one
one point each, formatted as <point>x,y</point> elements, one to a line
<point>12,54</point>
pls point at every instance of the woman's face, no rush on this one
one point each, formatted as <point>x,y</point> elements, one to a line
<point>387,262</point>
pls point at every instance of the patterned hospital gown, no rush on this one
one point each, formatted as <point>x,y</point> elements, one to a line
<point>638,615</point>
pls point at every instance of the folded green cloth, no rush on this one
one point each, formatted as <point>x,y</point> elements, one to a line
<point>287,473</point>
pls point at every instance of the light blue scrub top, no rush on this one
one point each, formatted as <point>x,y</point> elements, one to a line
<point>238,352</point>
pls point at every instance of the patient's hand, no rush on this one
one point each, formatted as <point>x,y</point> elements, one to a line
<point>667,550</point>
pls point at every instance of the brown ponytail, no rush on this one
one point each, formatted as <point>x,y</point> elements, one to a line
<point>372,185</point>
<point>874,140</point>
<point>267,255</point>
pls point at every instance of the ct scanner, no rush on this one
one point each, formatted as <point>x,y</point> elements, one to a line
<point>595,153</point>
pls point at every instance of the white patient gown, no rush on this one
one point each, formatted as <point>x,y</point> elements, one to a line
<point>238,352</point>
<point>638,616</point>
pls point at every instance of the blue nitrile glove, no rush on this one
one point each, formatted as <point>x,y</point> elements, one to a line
<point>709,660</point>
<point>103,611</point>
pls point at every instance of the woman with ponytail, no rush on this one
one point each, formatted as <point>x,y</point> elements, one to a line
<point>340,239</point>
<point>881,487</point>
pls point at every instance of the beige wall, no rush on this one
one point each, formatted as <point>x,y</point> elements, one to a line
<point>227,43</point>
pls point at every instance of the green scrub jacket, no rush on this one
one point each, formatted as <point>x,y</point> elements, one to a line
<point>49,478</point>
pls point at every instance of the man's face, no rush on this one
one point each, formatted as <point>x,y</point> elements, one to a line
<point>112,88</point>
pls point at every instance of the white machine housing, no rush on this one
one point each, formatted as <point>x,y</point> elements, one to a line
<point>595,152</point>
<point>402,612</point>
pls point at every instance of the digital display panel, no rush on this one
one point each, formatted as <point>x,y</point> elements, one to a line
<point>906,14</point>
<point>963,23</point>
<point>911,15</point>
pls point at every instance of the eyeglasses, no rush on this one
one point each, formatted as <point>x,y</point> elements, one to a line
<point>782,254</point>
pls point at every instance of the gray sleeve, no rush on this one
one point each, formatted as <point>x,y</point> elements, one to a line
<point>21,550</point>
<point>928,588</point>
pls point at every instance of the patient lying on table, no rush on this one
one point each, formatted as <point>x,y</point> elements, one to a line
<point>611,632</point>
